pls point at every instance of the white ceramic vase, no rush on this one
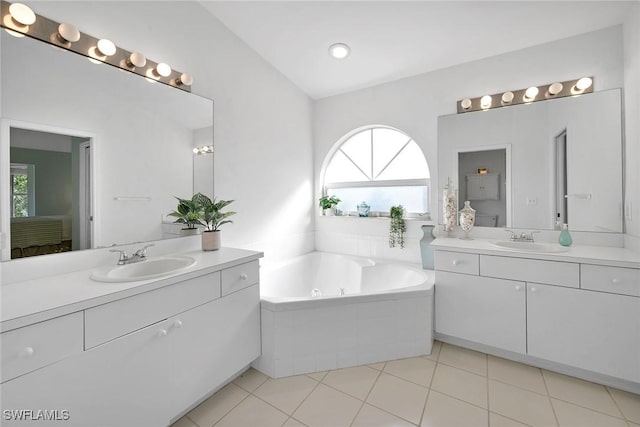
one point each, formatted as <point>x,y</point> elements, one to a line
<point>211,240</point>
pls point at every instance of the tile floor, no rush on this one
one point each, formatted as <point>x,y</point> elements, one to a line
<point>451,387</point>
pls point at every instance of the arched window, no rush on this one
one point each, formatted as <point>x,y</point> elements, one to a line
<point>382,166</point>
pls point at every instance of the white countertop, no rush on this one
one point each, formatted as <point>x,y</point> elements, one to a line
<point>31,301</point>
<point>600,255</point>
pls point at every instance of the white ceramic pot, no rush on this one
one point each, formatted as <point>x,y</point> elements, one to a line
<point>211,240</point>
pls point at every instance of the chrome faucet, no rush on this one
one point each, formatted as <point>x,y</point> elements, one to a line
<point>523,237</point>
<point>139,255</point>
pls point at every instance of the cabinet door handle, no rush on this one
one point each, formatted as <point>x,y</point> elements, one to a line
<point>533,290</point>
<point>244,276</point>
<point>615,281</point>
<point>177,323</point>
<point>456,262</point>
<point>27,352</point>
<point>518,287</point>
<point>162,332</point>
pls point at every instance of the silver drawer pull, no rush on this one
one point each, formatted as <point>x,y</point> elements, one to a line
<point>162,332</point>
<point>27,352</point>
<point>456,262</point>
<point>244,276</point>
<point>616,281</point>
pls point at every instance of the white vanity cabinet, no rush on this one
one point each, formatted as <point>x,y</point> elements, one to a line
<point>148,358</point>
<point>581,318</point>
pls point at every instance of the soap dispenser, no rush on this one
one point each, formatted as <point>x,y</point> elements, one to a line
<point>565,237</point>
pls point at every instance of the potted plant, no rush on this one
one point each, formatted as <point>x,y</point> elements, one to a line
<point>397,226</point>
<point>187,213</point>
<point>212,217</point>
<point>328,203</point>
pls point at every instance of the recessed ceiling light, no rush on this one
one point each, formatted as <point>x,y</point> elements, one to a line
<point>339,50</point>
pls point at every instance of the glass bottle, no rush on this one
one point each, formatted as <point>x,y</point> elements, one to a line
<point>565,238</point>
<point>363,209</point>
<point>467,219</point>
<point>449,205</point>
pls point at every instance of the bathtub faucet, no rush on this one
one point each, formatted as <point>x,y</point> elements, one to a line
<point>341,292</point>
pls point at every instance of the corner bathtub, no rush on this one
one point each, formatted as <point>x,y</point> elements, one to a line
<point>324,311</point>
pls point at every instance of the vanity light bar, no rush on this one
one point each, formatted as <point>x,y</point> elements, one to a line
<point>67,36</point>
<point>205,149</point>
<point>527,96</point>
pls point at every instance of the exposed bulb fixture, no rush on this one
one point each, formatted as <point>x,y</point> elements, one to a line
<point>531,93</point>
<point>106,47</point>
<point>507,97</point>
<point>136,60</point>
<point>584,83</point>
<point>555,88</point>
<point>205,149</point>
<point>185,79</point>
<point>465,103</point>
<point>339,50</point>
<point>485,102</point>
<point>163,70</point>
<point>22,14</point>
<point>68,33</point>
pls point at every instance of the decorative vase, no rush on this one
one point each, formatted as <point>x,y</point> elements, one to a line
<point>211,240</point>
<point>467,219</point>
<point>188,231</point>
<point>364,209</point>
<point>426,250</point>
<point>450,207</point>
<point>565,238</point>
<point>328,212</point>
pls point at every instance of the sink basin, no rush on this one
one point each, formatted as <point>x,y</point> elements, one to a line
<point>531,247</point>
<point>151,268</point>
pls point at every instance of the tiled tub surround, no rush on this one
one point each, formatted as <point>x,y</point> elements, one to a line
<point>574,312</point>
<point>135,353</point>
<point>385,313</point>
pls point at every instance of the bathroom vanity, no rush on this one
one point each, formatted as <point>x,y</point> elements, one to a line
<point>138,353</point>
<point>576,312</point>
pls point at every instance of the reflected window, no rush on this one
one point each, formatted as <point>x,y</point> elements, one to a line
<point>381,166</point>
<point>20,185</point>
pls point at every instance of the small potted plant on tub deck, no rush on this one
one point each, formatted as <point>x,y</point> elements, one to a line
<point>212,217</point>
<point>328,203</point>
<point>187,213</point>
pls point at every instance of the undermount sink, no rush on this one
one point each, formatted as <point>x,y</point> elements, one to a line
<point>531,246</point>
<point>150,268</point>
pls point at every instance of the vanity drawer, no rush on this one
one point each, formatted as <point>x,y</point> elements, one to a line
<point>240,277</point>
<point>615,280</point>
<point>531,270</point>
<point>457,262</point>
<point>115,319</point>
<point>41,344</point>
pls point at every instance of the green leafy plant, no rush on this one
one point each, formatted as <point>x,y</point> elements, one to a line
<point>187,212</point>
<point>211,215</point>
<point>397,226</point>
<point>327,202</point>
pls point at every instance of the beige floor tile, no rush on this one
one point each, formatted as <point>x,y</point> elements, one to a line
<point>497,420</point>
<point>292,422</point>
<point>253,412</point>
<point>318,376</point>
<point>250,380</point>
<point>435,351</point>
<point>326,407</point>
<point>442,410</point>
<point>214,408</point>
<point>570,415</point>
<point>399,397</point>
<point>521,405</point>
<point>628,403</point>
<point>517,374</point>
<point>461,384</point>
<point>463,358</point>
<point>184,422</point>
<point>286,393</point>
<point>580,392</point>
<point>633,424</point>
<point>356,381</point>
<point>370,416</point>
<point>377,366</point>
<point>416,369</point>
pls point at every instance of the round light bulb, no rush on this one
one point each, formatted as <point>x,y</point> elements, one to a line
<point>531,93</point>
<point>584,83</point>
<point>68,33</point>
<point>136,59</point>
<point>465,103</point>
<point>485,101</point>
<point>106,47</point>
<point>339,50</point>
<point>555,88</point>
<point>22,14</point>
<point>507,97</point>
<point>195,151</point>
<point>185,79</point>
<point>163,69</point>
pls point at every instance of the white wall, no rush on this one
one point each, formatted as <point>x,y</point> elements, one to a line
<point>262,125</point>
<point>632,123</point>
<point>414,104</point>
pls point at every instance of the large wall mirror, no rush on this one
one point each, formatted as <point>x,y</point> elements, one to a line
<point>534,166</point>
<point>91,155</point>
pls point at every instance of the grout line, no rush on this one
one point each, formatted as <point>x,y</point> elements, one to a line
<point>544,380</point>
<point>509,418</point>
<point>379,373</point>
<point>424,407</point>
<point>615,402</point>
<point>488,398</point>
